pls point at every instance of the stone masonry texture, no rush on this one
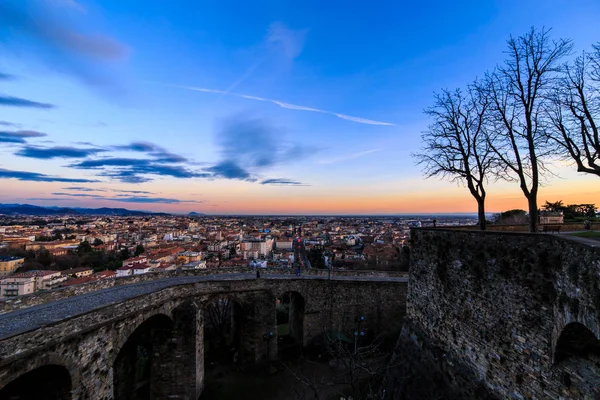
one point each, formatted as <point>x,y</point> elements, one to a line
<point>497,303</point>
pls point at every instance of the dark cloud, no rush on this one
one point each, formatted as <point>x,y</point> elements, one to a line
<point>281,182</point>
<point>130,170</point>
<point>132,191</point>
<point>6,77</point>
<point>110,162</point>
<point>19,102</point>
<point>154,200</point>
<point>55,38</point>
<point>46,153</point>
<point>160,153</point>
<point>6,123</point>
<point>249,143</point>
<point>36,177</point>
<point>129,199</point>
<point>78,195</point>
<point>84,189</point>
<point>229,170</point>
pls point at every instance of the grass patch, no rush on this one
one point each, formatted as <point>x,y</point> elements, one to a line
<point>283,329</point>
<point>594,235</point>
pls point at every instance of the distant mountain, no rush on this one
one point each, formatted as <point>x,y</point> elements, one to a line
<point>196,214</point>
<point>28,209</point>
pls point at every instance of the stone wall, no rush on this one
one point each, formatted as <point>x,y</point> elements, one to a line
<point>8,305</point>
<point>497,303</point>
<point>88,345</point>
<point>565,227</point>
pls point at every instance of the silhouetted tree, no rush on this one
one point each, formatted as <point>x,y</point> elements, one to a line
<point>575,112</point>
<point>124,253</point>
<point>139,249</point>
<point>84,247</point>
<point>455,145</point>
<point>556,206</point>
<point>519,91</point>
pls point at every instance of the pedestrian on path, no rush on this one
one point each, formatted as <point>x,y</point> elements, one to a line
<point>257,273</point>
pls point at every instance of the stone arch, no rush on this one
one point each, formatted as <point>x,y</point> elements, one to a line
<point>575,340</point>
<point>225,317</point>
<point>46,382</point>
<point>22,367</point>
<point>127,326</point>
<point>290,304</point>
<point>137,368</point>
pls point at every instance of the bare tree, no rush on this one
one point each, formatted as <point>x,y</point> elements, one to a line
<point>455,145</point>
<point>519,92</point>
<point>575,112</point>
<point>218,315</point>
<point>352,370</point>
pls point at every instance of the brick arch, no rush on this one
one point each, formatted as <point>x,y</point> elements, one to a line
<point>24,366</point>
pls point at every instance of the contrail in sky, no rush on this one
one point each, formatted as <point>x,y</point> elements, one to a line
<point>289,106</point>
<point>349,157</point>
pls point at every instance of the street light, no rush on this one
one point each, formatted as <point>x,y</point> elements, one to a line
<point>267,337</point>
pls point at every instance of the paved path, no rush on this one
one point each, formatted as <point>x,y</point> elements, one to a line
<point>589,242</point>
<point>34,317</point>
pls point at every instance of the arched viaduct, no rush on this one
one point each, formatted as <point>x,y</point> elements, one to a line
<point>145,340</point>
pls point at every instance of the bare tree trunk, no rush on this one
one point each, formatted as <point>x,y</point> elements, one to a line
<point>533,213</point>
<point>481,213</point>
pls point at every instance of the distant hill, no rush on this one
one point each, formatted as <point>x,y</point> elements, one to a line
<point>28,209</point>
<point>196,214</point>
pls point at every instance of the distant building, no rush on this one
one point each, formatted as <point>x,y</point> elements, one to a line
<point>254,248</point>
<point>9,264</point>
<point>551,217</point>
<point>194,265</point>
<point>13,286</point>
<point>20,283</point>
<point>284,244</point>
<point>77,272</point>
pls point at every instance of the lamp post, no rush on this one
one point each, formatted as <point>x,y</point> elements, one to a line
<point>358,332</point>
<point>267,337</point>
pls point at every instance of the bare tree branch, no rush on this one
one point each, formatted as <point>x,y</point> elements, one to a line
<point>520,92</point>
<point>455,145</point>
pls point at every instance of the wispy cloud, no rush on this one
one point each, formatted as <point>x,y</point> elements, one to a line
<point>37,177</point>
<point>282,182</point>
<point>18,136</point>
<point>57,41</point>
<point>229,170</point>
<point>154,150</point>
<point>12,101</point>
<point>6,77</point>
<point>281,42</point>
<point>248,143</point>
<point>132,170</point>
<point>348,157</point>
<point>289,106</point>
<point>84,189</point>
<point>129,199</point>
<point>11,124</point>
<point>47,153</point>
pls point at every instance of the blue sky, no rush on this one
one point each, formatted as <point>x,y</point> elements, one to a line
<point>249,107</point>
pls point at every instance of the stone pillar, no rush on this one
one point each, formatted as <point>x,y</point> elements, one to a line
<point>182,363</point>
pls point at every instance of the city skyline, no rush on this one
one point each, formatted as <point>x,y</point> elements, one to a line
<point>270,110</point>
